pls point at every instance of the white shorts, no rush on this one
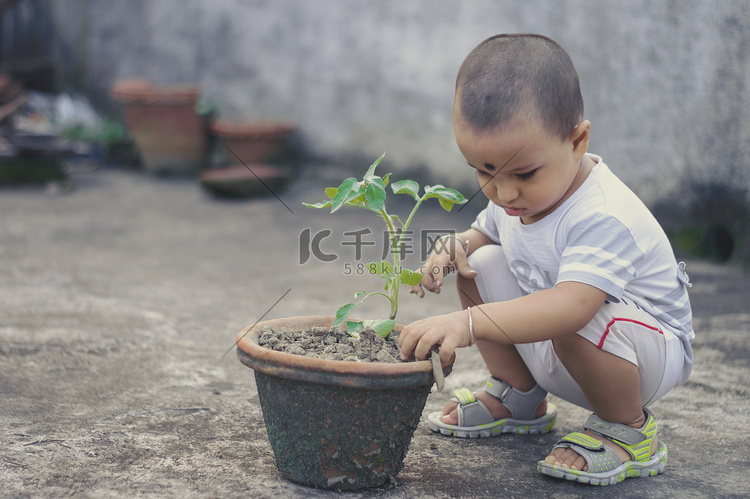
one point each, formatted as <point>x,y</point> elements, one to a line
<point>622,329</point>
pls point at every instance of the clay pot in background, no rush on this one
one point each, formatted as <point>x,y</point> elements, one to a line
<point>251,142</point>
<point>170,135</point>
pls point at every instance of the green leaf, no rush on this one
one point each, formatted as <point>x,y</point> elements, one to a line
<point>447,205</point>
<point>322,204</point>
<point>353,328</point>
<point>375,196</point>
<point>381,268</point>
<point>410,278</point>
<point>446,196</point>
<point>381,327</point>
<point>357,195</point>
<point>343,193</point>
<point>343,313</point>
<point>357,200</point>
<point>330,192</point>
<point>371,170</point>
<point>386,179</point>
<point>406,187</point>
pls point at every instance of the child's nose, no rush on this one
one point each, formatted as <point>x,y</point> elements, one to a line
<point>506,192</point>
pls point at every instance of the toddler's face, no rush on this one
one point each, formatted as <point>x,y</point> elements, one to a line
<point>523,170</point>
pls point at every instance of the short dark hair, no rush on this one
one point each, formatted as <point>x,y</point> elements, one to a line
<point>512,75</point>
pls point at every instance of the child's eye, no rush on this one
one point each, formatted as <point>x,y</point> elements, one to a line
<point>527,175</point>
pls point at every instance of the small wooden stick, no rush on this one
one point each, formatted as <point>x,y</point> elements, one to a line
<point>437,370</point>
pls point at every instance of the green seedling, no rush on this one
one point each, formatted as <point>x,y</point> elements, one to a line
<point>370,193</point>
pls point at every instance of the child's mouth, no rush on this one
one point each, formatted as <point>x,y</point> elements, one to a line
<point>513,212</point>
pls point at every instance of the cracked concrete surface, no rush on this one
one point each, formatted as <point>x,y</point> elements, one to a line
<point>119,303</point>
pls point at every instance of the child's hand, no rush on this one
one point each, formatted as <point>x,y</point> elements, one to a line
<point>449,331</point>
<point>448,253</point>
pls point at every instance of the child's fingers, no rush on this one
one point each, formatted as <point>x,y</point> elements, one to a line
<point>405,344</point>
<point>419,338</point>
<point>439,271</point>
<point>448,331</point>
<point>430,283</point>
<point>462,265</point>
<point>409,337</point>
<point>417,290</point>
<point>447,347</point>
<point>465,270</point>
<point>435,270</point>
<point>429,338</point>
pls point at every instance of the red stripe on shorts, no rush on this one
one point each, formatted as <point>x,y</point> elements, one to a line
<point>616,319</point>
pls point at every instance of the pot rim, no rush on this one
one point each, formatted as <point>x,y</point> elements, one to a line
<point>337,372</point>
<point>142,92</point>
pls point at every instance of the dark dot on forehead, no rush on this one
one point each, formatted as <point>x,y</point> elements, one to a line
<point>489,166</point>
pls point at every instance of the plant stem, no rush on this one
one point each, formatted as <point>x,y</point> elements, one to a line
<point>411,215</point>
<point>397,242</point>
<point>408,221</point>
<point>396,272</point>
<point>374,293</point>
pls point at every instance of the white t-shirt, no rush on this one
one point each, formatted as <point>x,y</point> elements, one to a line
<point>604,236</point>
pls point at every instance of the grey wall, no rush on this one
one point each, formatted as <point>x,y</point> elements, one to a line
<point>663,81</point>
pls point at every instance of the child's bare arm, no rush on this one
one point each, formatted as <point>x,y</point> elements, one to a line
<point>547,314</point>
<point>448,254</point>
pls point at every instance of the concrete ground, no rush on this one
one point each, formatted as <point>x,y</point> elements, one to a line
<point>119,305</point>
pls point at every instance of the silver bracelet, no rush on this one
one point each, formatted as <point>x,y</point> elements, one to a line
<point>471,327</point>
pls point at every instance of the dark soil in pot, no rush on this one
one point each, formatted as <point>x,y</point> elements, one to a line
<point>332,343</point>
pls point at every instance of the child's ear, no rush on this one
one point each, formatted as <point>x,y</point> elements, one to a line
<point>580,138</point>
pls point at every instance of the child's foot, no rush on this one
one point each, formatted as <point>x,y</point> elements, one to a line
<point>568,458</point>
<point>599,461</point>
<point>498,410</point>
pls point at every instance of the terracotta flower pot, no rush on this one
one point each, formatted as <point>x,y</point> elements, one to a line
<point>170,135</point>
<point>251,142</point>
<point>335,424</point>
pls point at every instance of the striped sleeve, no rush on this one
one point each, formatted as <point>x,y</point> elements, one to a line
<point>601,252</point>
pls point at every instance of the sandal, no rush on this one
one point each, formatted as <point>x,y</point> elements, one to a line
<point>604,467</point>
<point>475,419</point>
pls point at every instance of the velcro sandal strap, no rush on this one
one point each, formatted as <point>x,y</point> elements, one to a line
<point>471,412</point>
<point>636,441</point>
<point>522,405</point>
<point>464,396</point>
<point>599,458</point>
<point>583,440</point>
<point>614,431</point>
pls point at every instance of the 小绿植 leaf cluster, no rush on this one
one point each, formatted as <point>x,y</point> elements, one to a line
<point>370,193</point>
